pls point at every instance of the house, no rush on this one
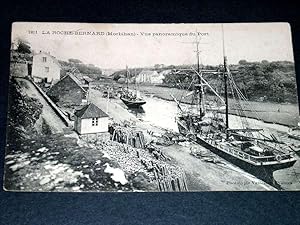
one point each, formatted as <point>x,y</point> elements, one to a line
<point>68,92</point>
<point>90,119</point>
<point>86,80</point>
<point>159,66</point>
<point>145,76</point>
<point>149,77</point>
<point>45,67</point>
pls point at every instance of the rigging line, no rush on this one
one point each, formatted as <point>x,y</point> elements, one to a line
<point>193,97</point>
<point>245,100</point>
<point>243,116</point>
<point>180,86</point>
<point>226,69</point>
<point>235,85</point>
<point>183,92</point>
<point>213,90</point>
<point>252,109</point>
<point>223,40</point>
<point>188,87</point>
<point>238,112</point>
<point>241,106</point>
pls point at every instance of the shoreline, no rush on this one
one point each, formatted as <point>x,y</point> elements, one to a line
<point>230,113</point>
<point>289,125</point>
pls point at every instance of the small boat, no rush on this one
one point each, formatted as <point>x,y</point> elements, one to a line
<point>294,133</point>
<point>133,102</point>
<point>131,98</point>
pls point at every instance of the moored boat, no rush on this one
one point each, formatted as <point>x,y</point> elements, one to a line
<point>131,98</point>
<point>245,146</point>
<point>132,102</point>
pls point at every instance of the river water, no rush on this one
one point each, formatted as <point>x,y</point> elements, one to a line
<point>162,113</point>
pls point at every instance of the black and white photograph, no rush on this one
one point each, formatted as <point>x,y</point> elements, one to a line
<point>152,108</point>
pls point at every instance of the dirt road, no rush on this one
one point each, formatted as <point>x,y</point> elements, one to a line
<point>205,176</point>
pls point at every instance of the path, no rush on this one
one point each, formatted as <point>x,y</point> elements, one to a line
<point>204,176</point>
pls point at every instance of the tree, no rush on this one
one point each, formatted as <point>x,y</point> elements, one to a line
<point>242,62</point>
<point>23,46</point>
<point>76,61</point>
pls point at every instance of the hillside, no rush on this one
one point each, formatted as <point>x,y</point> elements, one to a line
<point>264,81</point>
<point>76,66</point>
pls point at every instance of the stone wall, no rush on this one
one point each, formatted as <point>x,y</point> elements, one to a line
<point>19,69</point>
<point>103,137</point>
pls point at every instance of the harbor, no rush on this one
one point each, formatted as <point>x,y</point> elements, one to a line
<point>166,125</point>
<point>149,118</point>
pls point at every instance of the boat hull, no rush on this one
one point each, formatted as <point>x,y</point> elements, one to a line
<point>263,172</point>
<point>133,104</point>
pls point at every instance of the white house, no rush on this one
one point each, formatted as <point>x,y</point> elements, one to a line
<point>45,67</point>
<point>151,77</point>
<point>90,119</point>
<point>147,76</point>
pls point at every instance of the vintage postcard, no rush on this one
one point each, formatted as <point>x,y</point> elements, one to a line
<point>152,107</point>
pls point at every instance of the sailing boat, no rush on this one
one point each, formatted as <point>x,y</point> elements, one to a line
<point>245,147</point>
<point>131,99</point>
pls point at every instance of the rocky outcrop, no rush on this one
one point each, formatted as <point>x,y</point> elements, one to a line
<point>24,111</point>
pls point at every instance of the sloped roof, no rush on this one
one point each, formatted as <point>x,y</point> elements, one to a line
<point>87,78</point>
<point>90,111</point>
<point>75,79</point>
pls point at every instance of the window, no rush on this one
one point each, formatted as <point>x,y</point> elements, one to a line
<point>47,69</point>
<point>44,59</point>
<point>94,121</point>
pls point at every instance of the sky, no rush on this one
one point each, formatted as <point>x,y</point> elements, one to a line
<point>163,45</point>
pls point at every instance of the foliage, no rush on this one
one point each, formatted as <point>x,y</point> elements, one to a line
<point>23,46</point>
<point>85,69</point>
<point>76,61</point>
<point>273,81</point>
<point>131,73</point>
<point>270,81</point>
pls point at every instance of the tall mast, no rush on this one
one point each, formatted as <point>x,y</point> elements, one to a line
<point>127,77</point>
<point>198,57</point>
<point>226,91</point>
<point>135,82</point>
<point>226,71</point>
<point>200,83</point>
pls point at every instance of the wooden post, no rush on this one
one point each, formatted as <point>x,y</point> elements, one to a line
<point>184,179</point>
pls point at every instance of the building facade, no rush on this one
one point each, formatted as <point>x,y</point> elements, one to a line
<point>149,77</point>
<point>68,92</point>
<point>145,76</point>
<point>45,67</point>
<point>90,119</point>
